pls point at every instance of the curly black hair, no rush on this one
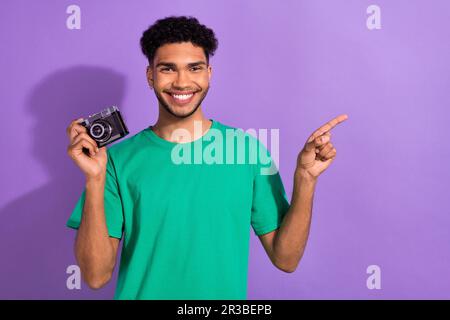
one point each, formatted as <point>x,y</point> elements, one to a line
<point>176,29</point>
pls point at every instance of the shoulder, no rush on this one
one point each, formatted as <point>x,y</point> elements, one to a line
<point>126,145</point>
<point>252,144</point>
<point>250,137</point>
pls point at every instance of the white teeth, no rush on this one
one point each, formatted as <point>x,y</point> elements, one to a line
<point>182,96</point>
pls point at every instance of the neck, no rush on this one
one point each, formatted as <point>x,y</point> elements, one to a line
<point>168,123</point>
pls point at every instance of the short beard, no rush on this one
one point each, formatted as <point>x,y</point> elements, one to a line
<point>163,103</point>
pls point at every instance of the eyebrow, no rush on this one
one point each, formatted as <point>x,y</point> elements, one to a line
<point>173,65</point>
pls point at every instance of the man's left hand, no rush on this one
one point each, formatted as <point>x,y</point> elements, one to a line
<point>318,152</point>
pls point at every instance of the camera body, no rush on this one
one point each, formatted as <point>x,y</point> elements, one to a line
<point>105,126</point>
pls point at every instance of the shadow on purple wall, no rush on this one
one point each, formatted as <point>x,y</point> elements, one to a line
<point>38,246</point>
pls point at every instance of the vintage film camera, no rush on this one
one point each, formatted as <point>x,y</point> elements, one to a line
<point>105,126</point>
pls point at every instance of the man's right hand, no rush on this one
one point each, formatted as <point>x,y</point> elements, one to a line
<point>94,165</point>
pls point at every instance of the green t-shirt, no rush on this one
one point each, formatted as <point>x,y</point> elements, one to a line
<point>185,210</point>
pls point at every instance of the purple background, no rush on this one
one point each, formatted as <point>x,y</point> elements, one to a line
<point>291,65</point>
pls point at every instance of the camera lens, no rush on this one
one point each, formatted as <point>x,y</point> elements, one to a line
<point>97,130</point>
<point>100,130</point>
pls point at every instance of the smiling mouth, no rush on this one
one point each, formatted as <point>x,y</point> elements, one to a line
<point>181,98</point>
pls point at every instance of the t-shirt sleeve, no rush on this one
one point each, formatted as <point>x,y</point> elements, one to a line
<point>112,204</point>
<point>270,202</point>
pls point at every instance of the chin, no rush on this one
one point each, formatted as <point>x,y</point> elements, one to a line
<point>181,113</point>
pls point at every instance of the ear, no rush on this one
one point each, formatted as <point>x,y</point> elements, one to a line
<point>149,74</point>
<point>209,71</point>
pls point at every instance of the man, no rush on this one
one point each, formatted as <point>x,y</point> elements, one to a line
<point>185,224</point>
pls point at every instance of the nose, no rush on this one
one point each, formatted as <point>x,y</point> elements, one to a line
<point>182,79</point>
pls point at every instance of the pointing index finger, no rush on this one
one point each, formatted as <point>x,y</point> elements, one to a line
<point>328,126</point>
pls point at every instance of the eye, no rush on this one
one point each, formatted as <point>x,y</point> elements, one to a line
<point>196,68</point>
<point>166,69</point>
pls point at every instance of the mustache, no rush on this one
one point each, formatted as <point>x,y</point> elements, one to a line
<point>182,90</point>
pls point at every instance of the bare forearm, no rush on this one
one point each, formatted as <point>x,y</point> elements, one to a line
<point>94,250</point>
<point>291,238</point>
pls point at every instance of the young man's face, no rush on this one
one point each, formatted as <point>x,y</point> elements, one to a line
<point>180,77</point>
